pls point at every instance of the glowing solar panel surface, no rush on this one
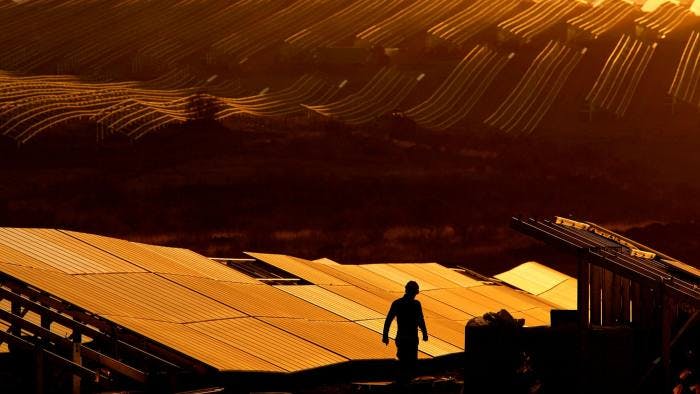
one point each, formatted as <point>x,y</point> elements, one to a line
<point>298,267</point>
<point>342,306</point>
<point>348,339</point>
<point>61,252</point>
<point>231,321</point>
<point>564,294</point>
<point>533,277</point>
<point>287,351</point>
<point>255,300</point>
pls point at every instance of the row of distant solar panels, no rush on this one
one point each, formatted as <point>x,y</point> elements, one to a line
<point>233,322</point>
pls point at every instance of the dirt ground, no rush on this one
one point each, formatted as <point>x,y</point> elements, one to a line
<point>385,192</point>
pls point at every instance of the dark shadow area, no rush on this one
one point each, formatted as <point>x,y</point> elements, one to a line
<point>355,195</point>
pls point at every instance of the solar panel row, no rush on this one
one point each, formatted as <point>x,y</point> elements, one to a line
<point>233,322</point>
<point>450,295</point>
<point>553,286</point>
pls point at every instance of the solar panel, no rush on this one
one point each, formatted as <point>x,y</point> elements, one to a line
<point>564,294</point>
<point>381,301</point>
<point>534,315</point>
<point>359,277</point>
<point>449,331</point>
<point>200,346</point>
<point>530,321</point>
<point>62,253</point>
<point>254,336</point>
<point>460,279</point>
<point>423,274</point>
<point>74,290</point>
<point>366,279</point>
<point>255,300</point>
<point>202,265</point>
<point>433,347</point>
<point>342,306</point>
<point>298,267</point>
<point>232,322</point>
<point>12,256</point>
<point>136,254</point>
<point>439,308</point>
<point>362,287</point>
<point>4,348</point>
<point>378,303</point>
<point>532,277</point>
<point>398,276</point>
<point>512,299</point>
<point>465,300</point>
<point>171,301</point>
<point>347,339</point>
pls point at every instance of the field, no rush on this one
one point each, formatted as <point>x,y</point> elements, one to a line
<point>358,130</point>
<point>357,196</point>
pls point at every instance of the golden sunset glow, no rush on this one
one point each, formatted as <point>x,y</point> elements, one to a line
<point>336,196</point>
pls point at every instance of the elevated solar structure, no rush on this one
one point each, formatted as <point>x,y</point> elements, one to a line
<point>124,314</point>
<point>623,284</point>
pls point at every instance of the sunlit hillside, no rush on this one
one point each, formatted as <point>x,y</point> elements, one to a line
<point>505,67</point>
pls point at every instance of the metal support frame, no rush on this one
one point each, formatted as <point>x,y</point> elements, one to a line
<point>69,353</point>
<point>608,258</point>
<point>692,321</point>
<point>77,358</point>
<point>77,350</point>
<point>666,320</point>
<point>49,355</point>
<point>582,293</point>
<point>95,327</point>
<point>655,289</point>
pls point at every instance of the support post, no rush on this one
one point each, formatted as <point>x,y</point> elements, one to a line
<point>666,322</point>
<point>596,279</point>
<point>39,370</point>
<point>626,307</point>
<point>77,358</point>
<point>616,300</point>
<point>608,299</point>
<point>16,309</point>
<point>46,322</point>
<point>583,292</point>
<point>583,303</point>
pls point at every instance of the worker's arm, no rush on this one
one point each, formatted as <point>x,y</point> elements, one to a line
<point>421,322</point>
<point>387,324</point>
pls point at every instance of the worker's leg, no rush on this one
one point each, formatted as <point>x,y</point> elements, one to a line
<point>408,355</point>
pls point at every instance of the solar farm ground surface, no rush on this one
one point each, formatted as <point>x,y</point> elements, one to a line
<point>358,196</point>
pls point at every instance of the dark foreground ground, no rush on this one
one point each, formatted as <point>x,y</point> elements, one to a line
<point>387,192</point>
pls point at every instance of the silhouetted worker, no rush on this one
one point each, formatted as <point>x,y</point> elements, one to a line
<point>409,317</point>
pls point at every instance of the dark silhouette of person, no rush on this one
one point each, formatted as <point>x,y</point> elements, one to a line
<point>409,317</point>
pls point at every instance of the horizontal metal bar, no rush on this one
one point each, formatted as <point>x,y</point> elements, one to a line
<point>76,324</point>
<point>114,364</point>
<point>104,360</point>
<point>650,273</point>
<point>75,368</point>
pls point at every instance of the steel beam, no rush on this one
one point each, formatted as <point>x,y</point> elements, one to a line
<point>81,350</point>
<point>66,363</point>
<point>77,323</point>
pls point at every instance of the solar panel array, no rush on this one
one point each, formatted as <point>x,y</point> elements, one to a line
<point>229,321</point>
<point>543,282</point>
<point>224,45</point>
